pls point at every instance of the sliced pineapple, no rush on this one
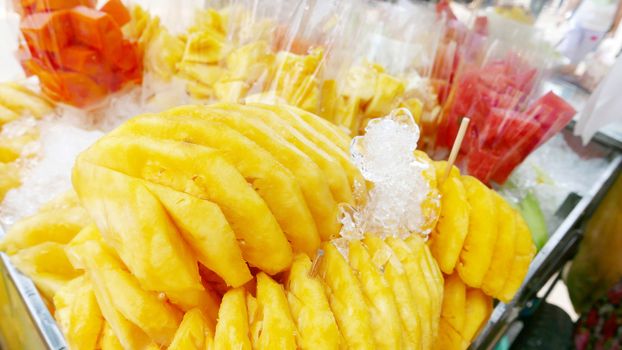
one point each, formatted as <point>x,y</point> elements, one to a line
<point>329,130</point>
<point>478,310</point>
<point>449,338</point>
<point>346,299</point>
<point>194,332</point>
<point>524,253</point>
<point>453,223</point>
<point>504,248</point>
<point>277,327</point>
<point>232,329</point>
<point>394,272</point>
<point>136,225</point>
<point>385,319</point>
<point>335,174</point>
<point>479,244</point>
<point>108,340</point>
<point>316,325</point>
<point>310,178</point>
<point>419,288</point>
<point>78,314</point>
<point>455,302</point>
<point>272,181</point>
<point>147,310</point>
<point>9,178</point>
<point>58,225</point>
<point>201,172</point>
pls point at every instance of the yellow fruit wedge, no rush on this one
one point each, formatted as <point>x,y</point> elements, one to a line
<point>454,302</point>
<point>346,299</point>
<point>277,327</point>
<point>147,310</point>
<point>51,226</point>
<point>193,332</point>
<point>433,278</point>
<point>272,181</point>
<point>21,100</point>
<point>66,200</point>
<point>386,94</point>
<point>441,166</point>
<point>128,334</point>
<point>108,340</point>
<point>449,338</point>
<point>478,310</point>
<point>328,145</point>
<point>232,331</point>
<point>309,176</point>
<point>78,314</point>
<point>47,258</point>
<point>524,253</point>
<point>385,318</point>
<point>9,178</point>
<point>479,245</point>
<point>335,174</point>
<point>418,287</point>
<point>431,206</point>
<point>201,172</point>
<point>504,248</point>
<point>136,225</point>
<point>384,257</point>
<point>329,130</point>
<point>316,325</point>
<point>205,229</point>
<point>7,115</point>
<point>453,224</point>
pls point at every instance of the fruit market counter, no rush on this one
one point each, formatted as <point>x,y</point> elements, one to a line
<point>566,225</point>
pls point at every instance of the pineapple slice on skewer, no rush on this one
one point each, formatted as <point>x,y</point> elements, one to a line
<point>317,328</point>
<point>524,253</point>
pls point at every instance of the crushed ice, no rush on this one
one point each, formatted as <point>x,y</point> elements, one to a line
<point>393,204</point>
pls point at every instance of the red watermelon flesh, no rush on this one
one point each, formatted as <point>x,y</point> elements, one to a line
<point>552,112</point>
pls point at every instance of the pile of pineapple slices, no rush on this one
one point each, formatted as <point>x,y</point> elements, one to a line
<point>212,227</point>
<point>16,102</point>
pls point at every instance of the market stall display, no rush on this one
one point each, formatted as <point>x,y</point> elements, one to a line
<point>254,216</point>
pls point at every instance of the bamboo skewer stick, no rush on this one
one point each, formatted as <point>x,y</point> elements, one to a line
<point>464,124</point>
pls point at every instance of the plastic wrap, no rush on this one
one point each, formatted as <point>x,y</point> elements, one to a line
<point>77,51</point>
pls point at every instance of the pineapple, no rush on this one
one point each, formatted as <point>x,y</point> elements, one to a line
<point>385,319</point>
<point>476,255</point>
<point>346,299</point>
<point>47,265</point>
<point>310,178</point>
<point>478,309</point>
<point>9,177</point>
<point>449,338</point>
<point>147,310</point>
<point>455,303</point>
<point>504,248</point>
<point>194,333</point>
<point>453,223</point>
<point>524,253</point>
<point>201,172</point>
<point>388,90</point>
<point>58,225</point>
<point>335,174</point>
<point>136,225</point>
<point>78,314</point>
<point>232,329</point>
<point>419,288</point>
<point>128,334</point>
<point>431,206</point>
<point>317,328</point>
<point>272,181</point>
<point>206,46</point>
<point>433,278</point>
<point>108,340</point>
<point>250,62</point>
<point>385,259</point>
<point>22,100</point>
<point>204,227</point>
<point>329,130</point>
<point>323,141</point>
<point>277,327</point>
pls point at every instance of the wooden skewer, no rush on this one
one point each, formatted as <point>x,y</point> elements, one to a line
<point>316,263</point>
<point>464,124</point>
